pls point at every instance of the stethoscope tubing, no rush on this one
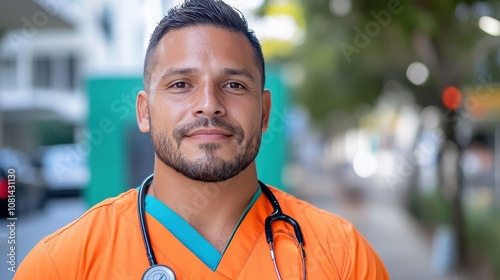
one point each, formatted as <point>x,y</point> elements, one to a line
<point>278,215</point>
<point>142,219</point>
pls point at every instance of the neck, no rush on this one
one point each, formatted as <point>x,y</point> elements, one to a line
<point>213,209</point>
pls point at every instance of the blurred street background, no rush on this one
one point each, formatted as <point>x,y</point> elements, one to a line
<point>385,112</point>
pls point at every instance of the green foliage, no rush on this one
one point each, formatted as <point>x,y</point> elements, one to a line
<point>431,209</point>
<point>482,227</point>
<point>483,234</point>
<point>291,8</point>
<point>426,30</point>
<point>277,49</point>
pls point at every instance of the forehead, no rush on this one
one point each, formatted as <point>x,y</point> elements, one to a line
<point>207,45</point>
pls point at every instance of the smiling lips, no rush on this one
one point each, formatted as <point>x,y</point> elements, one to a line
<point>208,134</point>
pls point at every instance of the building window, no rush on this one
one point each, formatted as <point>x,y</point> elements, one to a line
<point>41,72</point>
<point>8,73</point>
<point>55,72</point>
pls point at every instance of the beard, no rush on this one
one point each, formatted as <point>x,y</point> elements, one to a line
<point>210,168</point>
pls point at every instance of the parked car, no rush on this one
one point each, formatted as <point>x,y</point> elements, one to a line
<point>4,193</point>
<point>29,193</point>
<point>63,169</point>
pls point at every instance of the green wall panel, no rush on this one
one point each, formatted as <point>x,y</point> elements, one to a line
<point>111,114</point>
<point>273,151</point>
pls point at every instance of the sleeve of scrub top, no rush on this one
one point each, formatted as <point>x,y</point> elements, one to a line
<point>362,261</point>
<point>38,264</point>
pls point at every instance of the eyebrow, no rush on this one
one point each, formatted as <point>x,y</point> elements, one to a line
<point>241,72</point>
<point>186,71</point>
<point>178,71</point>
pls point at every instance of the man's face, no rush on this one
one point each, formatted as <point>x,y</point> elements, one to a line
<point>205,110</point>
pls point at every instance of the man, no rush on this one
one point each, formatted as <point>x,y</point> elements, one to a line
<point>206,109</point>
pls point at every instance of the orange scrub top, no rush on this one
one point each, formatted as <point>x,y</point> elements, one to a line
<point>106,243</point>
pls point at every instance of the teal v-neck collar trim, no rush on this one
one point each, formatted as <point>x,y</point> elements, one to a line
<point>186,234</point>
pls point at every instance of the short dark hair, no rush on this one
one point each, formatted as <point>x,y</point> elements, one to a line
<point>200,13</point>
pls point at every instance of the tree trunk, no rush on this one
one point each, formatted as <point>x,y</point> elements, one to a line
<point>452,181</point>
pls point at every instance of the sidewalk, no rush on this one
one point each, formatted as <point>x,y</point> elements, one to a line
<point>376,213</point>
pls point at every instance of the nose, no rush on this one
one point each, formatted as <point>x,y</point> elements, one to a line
<point>208,101</point>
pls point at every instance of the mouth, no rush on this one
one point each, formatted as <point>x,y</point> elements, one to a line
<point>208,134</point>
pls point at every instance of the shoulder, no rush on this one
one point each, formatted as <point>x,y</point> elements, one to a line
<point>313,216</point>
<point>333,242</point>
<point>320,228</point>
<point>80,239</point>
<point>120,205</point>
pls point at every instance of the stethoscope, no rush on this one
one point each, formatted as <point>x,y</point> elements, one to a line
<point>163,272</point>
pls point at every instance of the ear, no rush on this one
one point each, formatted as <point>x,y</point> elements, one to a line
<point>266,109</point>
<point>142,111</point>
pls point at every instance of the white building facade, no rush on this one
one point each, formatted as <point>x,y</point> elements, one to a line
<point>47,51</point>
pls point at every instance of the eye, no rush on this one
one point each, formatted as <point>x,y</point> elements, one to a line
<point>235,85</point>
<point>180,85</point>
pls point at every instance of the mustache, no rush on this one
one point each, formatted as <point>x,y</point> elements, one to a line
<point>180,131</point>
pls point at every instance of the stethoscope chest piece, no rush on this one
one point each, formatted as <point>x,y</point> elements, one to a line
<point>158,272</point>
